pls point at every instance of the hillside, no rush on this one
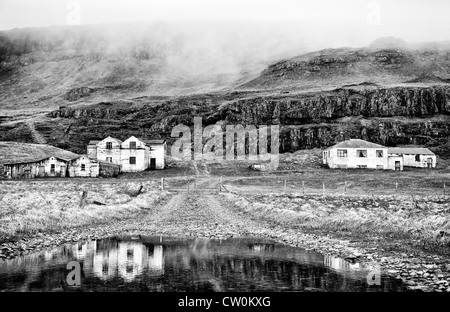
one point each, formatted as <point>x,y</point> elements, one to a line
<point>384,62</point>
<point>17,152</point>
<point>44,68</point>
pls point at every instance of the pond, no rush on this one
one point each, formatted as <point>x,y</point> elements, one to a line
<point>155,263</point>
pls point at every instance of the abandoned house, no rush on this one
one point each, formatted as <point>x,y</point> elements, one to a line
<point>356,153</point>
<point>132,155</point>
<point>415,157</point>
<point>107,150</point>
<point>83,166</point>
<point>42,168</point>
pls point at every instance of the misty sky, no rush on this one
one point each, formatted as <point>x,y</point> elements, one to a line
<point>345,22</point>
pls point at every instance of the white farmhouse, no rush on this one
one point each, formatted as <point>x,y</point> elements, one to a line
<point>356,153</point>
<point>107,150</point>
<point>415,157</point>
<point>133,154</point>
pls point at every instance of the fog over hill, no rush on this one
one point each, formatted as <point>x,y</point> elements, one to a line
<point>39,66</point>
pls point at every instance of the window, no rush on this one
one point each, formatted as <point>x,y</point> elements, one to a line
<point>417,157</point>
<point>108,145</point>
<point>342,153</point>
<point>132,160</point>
<point>132,145</point>
<point>130,253</point>
<point>361,153</point>
<point>52,168</point>
<point>379,153</point>
<point>324,154</point>
<point>362,166</point>
<point>109,159</point>
<point>83,167</point>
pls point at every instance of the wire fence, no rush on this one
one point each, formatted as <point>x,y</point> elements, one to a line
<point>314,187</point>
<point>324,188</point>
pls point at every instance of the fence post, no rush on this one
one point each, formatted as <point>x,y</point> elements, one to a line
<point>83,199</point>
<point>444,188</point>
<point>303,187</point>
<point>284,189</point>
<point>162,184</point>
<point>323,189</point>
<point>396,187</point>
<point>345,187</point>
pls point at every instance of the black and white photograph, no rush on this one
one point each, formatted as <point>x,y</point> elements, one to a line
<point>224,154</point>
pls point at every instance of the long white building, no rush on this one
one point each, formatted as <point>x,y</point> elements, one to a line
<point>415,156</point>
<point>356,153</point>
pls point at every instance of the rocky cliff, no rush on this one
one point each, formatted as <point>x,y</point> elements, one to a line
<point>400,115</point>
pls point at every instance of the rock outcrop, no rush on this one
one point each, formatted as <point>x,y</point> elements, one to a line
<point>390,116</point>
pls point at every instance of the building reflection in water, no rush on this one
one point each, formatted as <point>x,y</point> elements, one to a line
<point>340,264</point>
<point>103,259</point>
<point>185,264</point>
<point>128,260</point>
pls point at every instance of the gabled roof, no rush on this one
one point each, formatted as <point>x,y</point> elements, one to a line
<point>109,139</point>
<point>356,143</point>
<point>85,156</point>
<point>410,150</point>
<point>133,138</point>
<point>153,141</point>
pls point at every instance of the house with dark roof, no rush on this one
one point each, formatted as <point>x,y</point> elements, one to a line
<point>415,156</point>
<point>356,153</point>
<point>37,168</point>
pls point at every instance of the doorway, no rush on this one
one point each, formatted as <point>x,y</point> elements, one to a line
<point>397,166</point>
<point>152,163</point>
<point>430,162</point>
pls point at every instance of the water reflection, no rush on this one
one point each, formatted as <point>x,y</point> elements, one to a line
<point>172,264</point>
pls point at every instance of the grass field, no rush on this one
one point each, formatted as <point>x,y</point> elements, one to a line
<point>423,223</point>
<point>31,206</point>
